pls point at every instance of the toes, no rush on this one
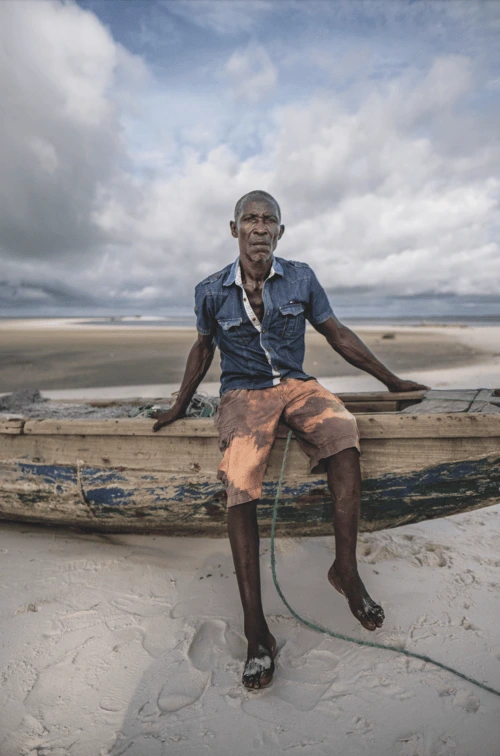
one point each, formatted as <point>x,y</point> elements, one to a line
<point>250,681</point>
<point>259,679</point>
<point>377,615</point>
<point>367,622</point>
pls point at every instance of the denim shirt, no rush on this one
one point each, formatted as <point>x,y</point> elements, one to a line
<point>259,355</point>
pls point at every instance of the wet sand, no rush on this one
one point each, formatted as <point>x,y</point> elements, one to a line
<point>70,356</point>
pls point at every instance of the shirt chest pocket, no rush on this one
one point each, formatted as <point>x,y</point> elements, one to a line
<point>291,319</point>
<point>235,331</point>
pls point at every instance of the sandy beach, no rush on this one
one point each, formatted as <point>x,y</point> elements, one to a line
<point>64,355</point>
<point>134,645</point>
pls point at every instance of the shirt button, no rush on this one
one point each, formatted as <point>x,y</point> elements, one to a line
<point>263,330</point>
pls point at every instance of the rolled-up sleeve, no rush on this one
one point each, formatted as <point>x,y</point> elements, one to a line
<point>319,308</point>
<point>205,320</point>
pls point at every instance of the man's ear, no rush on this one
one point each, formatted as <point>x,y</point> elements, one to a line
<point>234,230</point>
<point>282,231</point>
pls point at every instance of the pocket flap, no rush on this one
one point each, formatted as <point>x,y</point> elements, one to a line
<point>291,309</point>
<point>226,324</point>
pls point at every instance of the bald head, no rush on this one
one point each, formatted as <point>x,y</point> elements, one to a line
<point>258,195</point>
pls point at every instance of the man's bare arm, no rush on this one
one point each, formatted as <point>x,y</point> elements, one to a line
<point>199,360</point>
<point>353,350</point>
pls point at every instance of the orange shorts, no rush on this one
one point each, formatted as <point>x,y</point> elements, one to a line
<point>247,420</point>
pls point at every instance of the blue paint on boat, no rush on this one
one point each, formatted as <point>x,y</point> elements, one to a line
<point>390,499</point>
<point>110,496</point>
<point>103,477</point>
<point>51,474</point>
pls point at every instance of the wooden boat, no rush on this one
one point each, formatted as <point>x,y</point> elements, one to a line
<point>424,455</point>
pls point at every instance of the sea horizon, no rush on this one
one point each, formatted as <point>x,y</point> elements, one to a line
<point>381,310</point>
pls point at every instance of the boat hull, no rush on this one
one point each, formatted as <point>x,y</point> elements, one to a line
<point>117,476</point>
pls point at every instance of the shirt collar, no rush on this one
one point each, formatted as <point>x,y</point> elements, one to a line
<point>235,272</point>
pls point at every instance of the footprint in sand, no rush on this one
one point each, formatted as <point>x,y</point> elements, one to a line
<point>362,725</point>
<point>198,606</point>
<point>237,644</point>
<point>413,745</point>
<point>301,679</point>
<point>138,745</point>
<point>208,645</point>
<point>185,686</point>
<point>113,703</point>
<point>303,696</point>
<point>142,607</point>
<point>467,702</point>
<point>316,666</point>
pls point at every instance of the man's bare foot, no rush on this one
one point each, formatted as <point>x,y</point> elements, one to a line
<point>364,608</point>
<point>259,666</point>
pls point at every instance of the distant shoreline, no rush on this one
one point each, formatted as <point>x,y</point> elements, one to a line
<point>64,355</point>
<point>189,324</point>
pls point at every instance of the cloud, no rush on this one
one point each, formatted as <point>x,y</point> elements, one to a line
<point>122,185</point>
<point>251,72</point>
<point>368,199</point>
<point>224,16</point>
<point>60,132</point>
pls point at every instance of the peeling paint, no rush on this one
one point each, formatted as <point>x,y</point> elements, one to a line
<point>116,500</point>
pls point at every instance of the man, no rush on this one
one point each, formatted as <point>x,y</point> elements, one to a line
<point>254,310</point>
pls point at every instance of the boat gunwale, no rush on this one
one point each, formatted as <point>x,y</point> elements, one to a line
<point>371,426</point>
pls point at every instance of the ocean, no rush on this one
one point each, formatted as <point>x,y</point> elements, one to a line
<point>349,308</point>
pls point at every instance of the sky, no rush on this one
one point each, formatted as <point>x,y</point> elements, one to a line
<point>130,129</point>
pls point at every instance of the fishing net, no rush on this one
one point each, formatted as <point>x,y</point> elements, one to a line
<point>30,403</point>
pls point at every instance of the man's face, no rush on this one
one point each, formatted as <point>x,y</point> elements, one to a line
<point>258,230</point>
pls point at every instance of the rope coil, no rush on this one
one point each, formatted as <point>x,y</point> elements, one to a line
<point>340,636</point>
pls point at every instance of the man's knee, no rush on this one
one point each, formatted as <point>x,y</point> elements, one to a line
<point>345,458</point>
<point>344,476</point>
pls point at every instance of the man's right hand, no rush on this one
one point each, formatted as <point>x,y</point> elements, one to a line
<point>165,418</point>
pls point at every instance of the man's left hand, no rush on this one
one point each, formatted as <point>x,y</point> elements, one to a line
<point>401,385</point>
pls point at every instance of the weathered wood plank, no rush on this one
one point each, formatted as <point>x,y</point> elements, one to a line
<point>406,425</point>
<point>190,456</point>
<point>11,424</point>
<point>129,426</point>
<point>397,425</point>
<point>408,456</point>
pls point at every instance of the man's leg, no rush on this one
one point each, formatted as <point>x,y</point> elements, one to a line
<point>344,482</point>
<point>243,534</point>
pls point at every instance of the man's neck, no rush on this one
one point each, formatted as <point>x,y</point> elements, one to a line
<point>256,272</point>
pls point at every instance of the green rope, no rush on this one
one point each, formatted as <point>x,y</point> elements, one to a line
<point>322,629</point>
